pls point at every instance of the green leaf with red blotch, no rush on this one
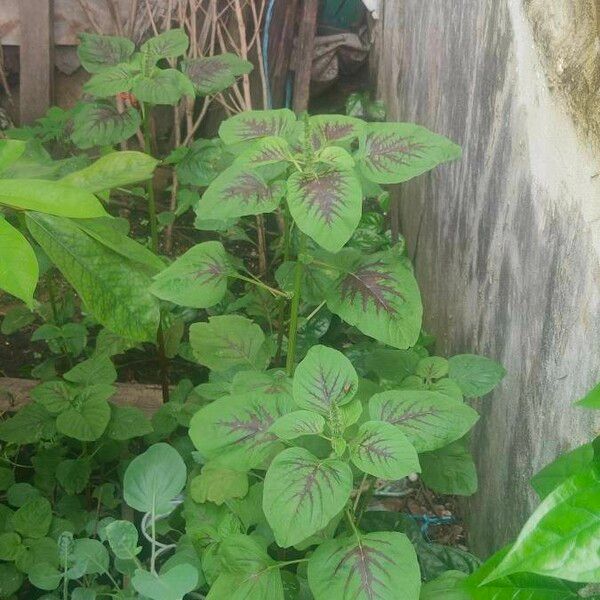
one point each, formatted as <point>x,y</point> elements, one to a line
<point>197,279</point>
<point>396,152</point>
<point>378,294</point>
<point>213,74</point>
<point>237,192</point>
<point>327,130</point>
<point>326,205</point>
<point>324,378</point>
<point>383,451</point>
<point>376,566</point>
<point>97,52</point>
<point>255,124</point>
<point>235,430</point>
<point>302,493</point>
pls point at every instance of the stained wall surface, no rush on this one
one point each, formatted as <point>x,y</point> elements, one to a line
<point>506,242</point>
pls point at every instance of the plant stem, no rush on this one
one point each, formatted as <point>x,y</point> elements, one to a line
<point>150,183</point>
<point>290,363</point>
<point>366,498</point>
<point>260,284</point>
<point>351,523</point>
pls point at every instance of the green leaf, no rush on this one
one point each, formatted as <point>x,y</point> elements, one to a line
<point>164,86</point>
<point>562,537</point>
<point>44,576</point>
<point>327,206</point>
<point>334,129</point>
<point>450,470</point>
<point>101,124</point>
<point>274,383</point>
<point>113,170</point>
<point>16,318</point>
<point>447,587</point>
<point>324,378</point>
<point>228,341</point>
<point>396,152</point>
<point>169,44</point>
<point>172,585</point>
<point>30,425</point>
<point>379,295</point>
<point>382,450</point>
<point>122,537</point>
<point>74,474</point>
<point>86,419</point>
<point>10,544</point>
<point>302,494</point>
<point>203,163</point>
<point>266,151</point>
<point>374,566</point>
<point>255,124</point>
<point>127,422</point>
<point>97,52</point>
<point>111,81</point>
<point>428,419</point>
<point>297,424</point>
<point>10,152</point>
<point>235,430</point>
<point>98,369</point>
<point>33,519</point>
<point>213,74</point>
<point>20,493</point>
<point>432,367</point>
<point>54,396</point>
<point>154,478</point>
<point>238,192</point>
<point>10,580</point>
<point>591,399</point>
<point>218,484</point>
<point>7,478</point>
<point>19,269</point>
<point>475,375</point>
<point>113,290</point>
<point>197,279</point>
<point>89,557</point>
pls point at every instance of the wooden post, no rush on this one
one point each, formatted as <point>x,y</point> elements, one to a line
<point>304,54</point>
<point>36,58</point>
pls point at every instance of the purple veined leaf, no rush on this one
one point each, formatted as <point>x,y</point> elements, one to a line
<point>328,130</point>
<point>254,124</point>
<point>197,279</point>
<point>266,151</point>
<point>97,52</point>
<point>379,295</point>
<point>335,157</point>
<point>303,493</point>
<point>298,423</point>
<point>383,451</point>
<point>396,152</point>
<point>376,566</point>
<point>324,378</point>
<point>238,192</point>
<point>213,74</point>
<point>203,163</point>
<point>112,81</point>
<point>274,383</point>
<point>235,430</point>
<point>326,206</point>
<point>169,44</point>
<point>163,86</point>
<point>101,124</point>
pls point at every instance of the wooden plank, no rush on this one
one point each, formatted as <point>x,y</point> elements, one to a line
<point>36,58</point>
<point>14,393</point>
<point>304,54</point>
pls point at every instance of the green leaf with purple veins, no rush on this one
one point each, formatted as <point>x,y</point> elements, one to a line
<point>327,206</point>
<point>324,378</point>
<point>213,74</point>
<point>397,152</point>
<point>382,450</point>
<point>298,423</point>
<point>236,430</point>
<point>254,124</point>
<point>335,129</point>
<point>274,383</point>
<point>97,52</point>
<point>376,566</point>
<point>238,192</point>
<point>101,124</point>
<point>379,295</point>
<point>163,86</point>
<point>303,493</point>
<point>112,81</point>
<point>197,279</point>
<point>266,151</point>
<point>169,44</point>
<point>428,419</point>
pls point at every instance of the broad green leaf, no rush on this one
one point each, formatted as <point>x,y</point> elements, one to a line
<point>10,544</point>
<point>390,364</point>
<point>235,430</point>
<point>101,124</point>
<point>238,192</point>
<point>227,342</point>
<point>432,367</point>
<point>111,81</point>
<point>33,519</point>
<point>315,283</point>
<point>173,584</point>
<point>169,44</point>
<point>217,484</point>
<point>334,129</point>
<point>324,378</point>
<point>428,419</point>
<point>380,449</point>
<point>379,295</point>
<point>89,557</point>
<point>566,465</point>
<point>327,205</point>
<point>274,383</point>
<point>562,537</point>
<point>591,399</point>
<point>127,422</point>
<point>44,576</point>
<point>254,124</point>
<point>339,159</point>
<point>114,291</point>
<point>213,74</point>
<point>16,318</point>
<point>475,375</point>
<point>374,566</point>
<point>164,86</point>
<point>38,550</point>
<point>154,478</point>
<point>19,270</point>
<point>450,470</point>
<point>50,197</point>
<point>73,474</point>
<point>298,423</point>
<point>396,152</point>
<point>303,493</point>
<point>10,152</point>
<point>7,478</point>
<point>204,162</point>
<point>98,369</point>
<point>266,151</point>
<point>20,493</point>
<point>122,537</point>
<point>113,170</point>
<point>197,279</point>
<point>97,52</point>
<point>30,425</point>
<point>85,420</point>
<point>10,580</point>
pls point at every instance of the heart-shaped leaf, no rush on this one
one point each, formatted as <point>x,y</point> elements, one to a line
<point>298,423</point>
<point>428,419</point>
<point>254,124</point>
<point>203,163</point>
<point>97,52</point>
<point>111,81</point>
<point>101,124</point>
<point>326,205</point>
<point>197,279</point>
<point>303,493</point>
<point>85,420</point>
<point>123,539</point>
<point>396,152</point>
<point>169,44</point>
<point>31,424</point>
<point>33,519</point>
<point>164,86</point>
<point>380,566</point>
<point>475,375</point>
<point>334,129</point>
<point>127,422</point>
<point>173,584</point>
<point>213,74</point>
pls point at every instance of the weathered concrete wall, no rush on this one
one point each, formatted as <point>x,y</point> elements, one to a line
<point>507,242</point>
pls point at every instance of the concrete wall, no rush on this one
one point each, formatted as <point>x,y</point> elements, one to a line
<point>506,243</point>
